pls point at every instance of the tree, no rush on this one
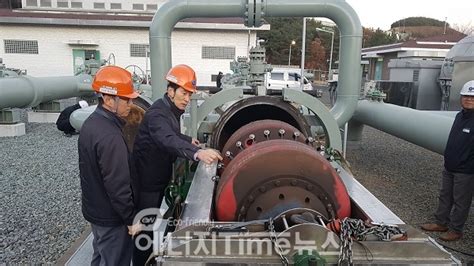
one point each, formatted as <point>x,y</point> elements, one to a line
<point>467,29</point>
<point>317,56</point>
<point>377,37</point>
<point>284,30</point>
<point>417,21</point>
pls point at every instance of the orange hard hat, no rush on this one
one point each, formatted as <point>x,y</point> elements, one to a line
<point>183,76</point>
<point>114,80</point>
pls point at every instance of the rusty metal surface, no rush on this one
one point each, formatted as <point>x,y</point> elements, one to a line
<point>254,109</point>
<point>256,132</point>
<point>276,175</point>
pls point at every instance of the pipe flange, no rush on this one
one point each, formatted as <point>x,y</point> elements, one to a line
<point>283,193</point>
<point>250,13</point>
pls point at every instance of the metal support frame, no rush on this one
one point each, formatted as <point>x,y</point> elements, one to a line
<point>199,113</point>
<point>321,112</point>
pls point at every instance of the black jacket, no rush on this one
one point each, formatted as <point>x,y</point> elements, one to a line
<point>459,151</point>
<point>158,144</point>
<point>105,172</point>
<point>63,123</point>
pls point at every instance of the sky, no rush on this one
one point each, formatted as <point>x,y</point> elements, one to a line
<point>382,13</point>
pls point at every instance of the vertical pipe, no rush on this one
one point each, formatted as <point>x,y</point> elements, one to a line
<point>346,127</point>
<point>162,26</point>
<point>303,51</point>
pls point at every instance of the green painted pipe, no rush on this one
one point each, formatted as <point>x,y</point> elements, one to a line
<point>426,129</point>
<point>27,91</point>
<point>337,10</point>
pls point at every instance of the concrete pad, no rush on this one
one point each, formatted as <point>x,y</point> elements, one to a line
<point>83,255</point>
<point>39,117</point>
<point>13,130</point>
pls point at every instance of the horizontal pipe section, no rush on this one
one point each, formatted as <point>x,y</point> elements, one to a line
<point>422,128</point>
<point>27,91</point>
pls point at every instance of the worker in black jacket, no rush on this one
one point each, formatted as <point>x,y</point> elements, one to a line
<point>63,123</point>
<point>104,169</point>
<point>457,186</point>
<point>159,142</point>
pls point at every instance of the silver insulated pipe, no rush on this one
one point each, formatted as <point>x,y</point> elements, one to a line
<point>426,129</point>
<point>27,91</point>
<point>253,12</point>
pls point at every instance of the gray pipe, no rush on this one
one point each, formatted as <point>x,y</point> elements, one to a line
<point>163,23</point>
<point>337,10</point>
<point>425,129</point>
<point>27,91</point>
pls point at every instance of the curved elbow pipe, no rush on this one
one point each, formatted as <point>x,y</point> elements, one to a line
<point>27,91</point>
<point>337,10</point>
<point>426,129</point>
<point>162,26</point>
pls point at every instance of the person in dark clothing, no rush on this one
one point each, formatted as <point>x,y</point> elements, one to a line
<point>63,123</point>
<point>457,186</point>
<point>158,144</point>
<point>104,169</point>
<point>219,80</point>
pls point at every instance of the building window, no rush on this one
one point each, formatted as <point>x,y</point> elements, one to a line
<point>138,50</point>
<point>31,3</point>
<point>416,75</point>
<point>115,6</point>
<point>45,3</point>
<point>63,4</point>
<point>218,52</point>
<point>151,7</point>
<point>76,4</point>
<point>99,5</point>
<point>137,7</point>
<point>20,47</point>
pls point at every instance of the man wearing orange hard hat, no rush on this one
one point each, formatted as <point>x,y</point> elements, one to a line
<point>159,142</point>
<point>104,169</point>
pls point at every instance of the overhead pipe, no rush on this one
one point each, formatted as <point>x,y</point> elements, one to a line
<point>253,11</point>
<point>27,91</point>
<point>426,129</point>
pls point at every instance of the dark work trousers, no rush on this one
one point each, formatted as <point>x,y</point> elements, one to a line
<point>455,200</point>
<point>112,246</point>
<point>146,200</point>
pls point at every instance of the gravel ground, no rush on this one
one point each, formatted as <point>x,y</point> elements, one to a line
<point>406,178</point>
<point>40,213</point>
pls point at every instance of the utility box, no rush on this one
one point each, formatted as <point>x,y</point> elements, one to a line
<point>426,94</point>
<point>463,72</point>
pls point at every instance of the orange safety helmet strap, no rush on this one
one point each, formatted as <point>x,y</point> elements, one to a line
<point>114,80</point>
<point>183,76</point>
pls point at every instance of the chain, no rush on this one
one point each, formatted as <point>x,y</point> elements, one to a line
<point>273,237</point>
<point>345,253</point>
<point>358,230</point>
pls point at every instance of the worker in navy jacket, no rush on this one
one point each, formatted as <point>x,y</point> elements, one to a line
<point>107,201</point>
<point>158,144</point>
<point>458,176</point>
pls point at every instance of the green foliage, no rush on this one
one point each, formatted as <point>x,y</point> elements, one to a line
<point>283,30</point>
<point>417,21</point>
<point>377,37</point>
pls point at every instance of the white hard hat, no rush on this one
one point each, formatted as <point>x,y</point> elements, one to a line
<point>468,88</point>
<point>83,104</point>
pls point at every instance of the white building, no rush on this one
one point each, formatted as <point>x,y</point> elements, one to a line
<point>54,37</point>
